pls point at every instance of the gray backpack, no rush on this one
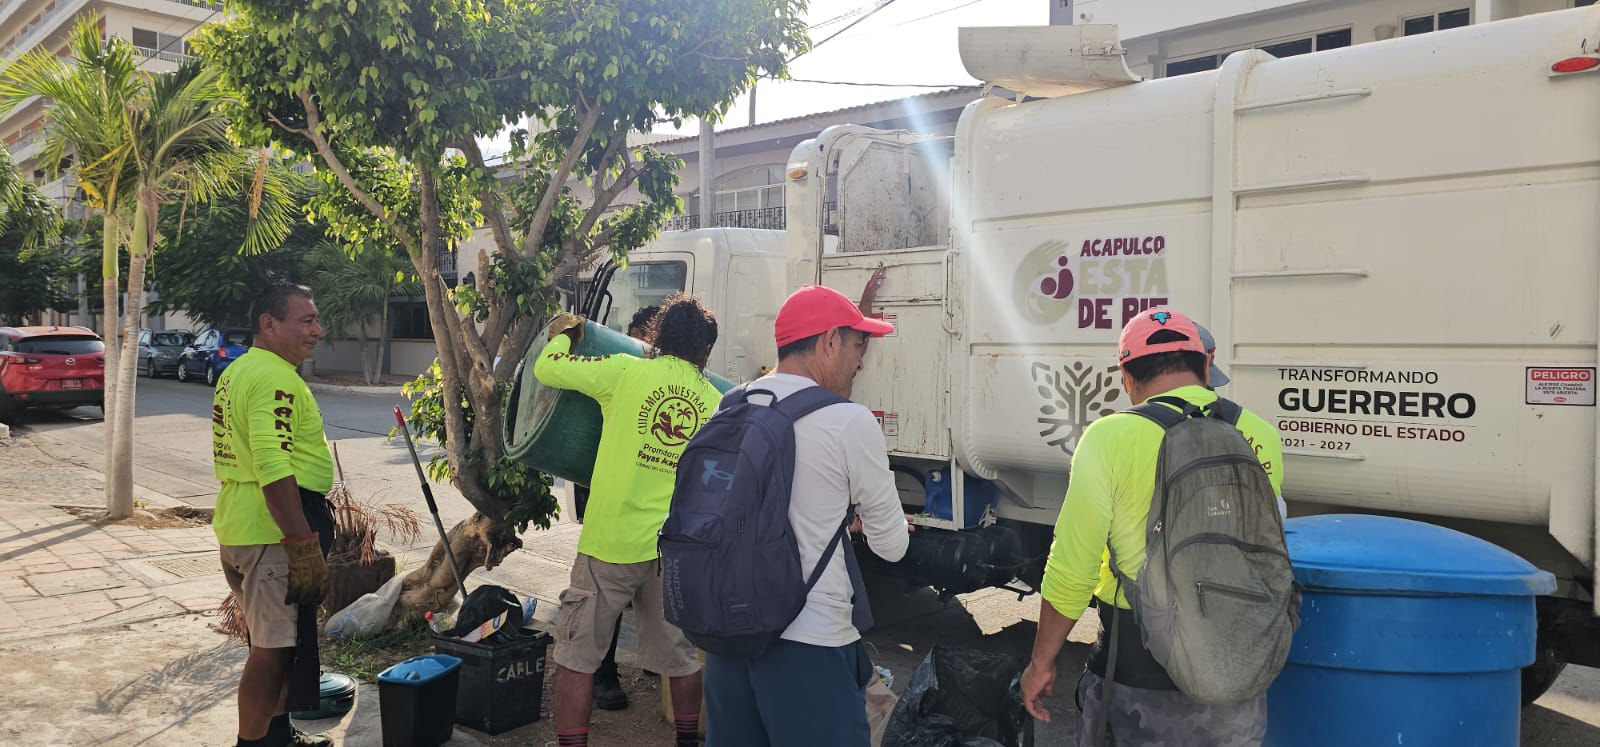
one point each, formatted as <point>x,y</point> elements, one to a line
<point>1216,599</point>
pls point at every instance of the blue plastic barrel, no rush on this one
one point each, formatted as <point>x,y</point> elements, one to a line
<point>1410,634</point>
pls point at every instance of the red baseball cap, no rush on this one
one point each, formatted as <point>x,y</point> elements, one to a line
<point>815,309</point>
<point>1135,342</point>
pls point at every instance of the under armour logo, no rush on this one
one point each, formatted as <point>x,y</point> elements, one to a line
<point>709,472</point>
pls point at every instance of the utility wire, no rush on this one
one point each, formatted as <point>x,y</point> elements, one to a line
<point>938,13</point>
<point>882,85</point>
<point>851,25</point>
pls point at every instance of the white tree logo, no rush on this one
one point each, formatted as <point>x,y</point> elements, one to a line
<point>1074,395</point>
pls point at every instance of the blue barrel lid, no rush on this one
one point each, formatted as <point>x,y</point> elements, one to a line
<point>419,670</point>
<point>1380,553</point>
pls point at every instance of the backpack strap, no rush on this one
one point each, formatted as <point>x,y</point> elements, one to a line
<point>738,395</point>
<point>1226,410</point>
<point>806,401</point>
<point>1155,410</point>
<point>833,544</point>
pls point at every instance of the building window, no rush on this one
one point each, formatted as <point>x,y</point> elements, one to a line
<point>1449,19</point>
<point>154,43</point>
<point>1285,48</point>
<point>1193,65</point>
<point>408,319</point>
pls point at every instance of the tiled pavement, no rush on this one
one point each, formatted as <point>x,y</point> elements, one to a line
<point>59,572</point>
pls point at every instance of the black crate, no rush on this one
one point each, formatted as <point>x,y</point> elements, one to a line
<point>502,685</point>
<point>418,715</point>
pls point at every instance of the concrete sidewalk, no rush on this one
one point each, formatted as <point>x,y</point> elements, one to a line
<point>111,634</point>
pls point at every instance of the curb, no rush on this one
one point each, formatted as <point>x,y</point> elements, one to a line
<point>317,386</point>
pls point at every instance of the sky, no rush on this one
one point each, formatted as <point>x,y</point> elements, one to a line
<point>905,41</point>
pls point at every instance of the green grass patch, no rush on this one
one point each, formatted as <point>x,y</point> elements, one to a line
<point>365,658</point>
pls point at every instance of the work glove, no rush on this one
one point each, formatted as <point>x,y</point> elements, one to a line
<point>308,571</point>
<point>569,323</point>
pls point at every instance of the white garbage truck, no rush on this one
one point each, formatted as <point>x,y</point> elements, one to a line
<point>1396,246</point>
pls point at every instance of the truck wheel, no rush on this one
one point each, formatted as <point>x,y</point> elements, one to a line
<point>1541,674</point>
<point>9,412</point>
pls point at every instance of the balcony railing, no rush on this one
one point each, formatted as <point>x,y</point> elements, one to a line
<point>44,18</point>
<point>771,218</point>
<point>168,55</point>
<point>447,265</point>
<point>25,142</point>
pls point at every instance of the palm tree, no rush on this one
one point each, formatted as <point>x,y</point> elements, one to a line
<point>141,142</point>
<point>24,209</point>
<point>353,286</point>
<point>88,96</point>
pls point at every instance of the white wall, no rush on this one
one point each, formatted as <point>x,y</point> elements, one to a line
<point>1364,17</point>
<point>411,357</point>
<point>1136,18</point>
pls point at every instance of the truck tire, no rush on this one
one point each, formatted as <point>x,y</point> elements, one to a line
<point>9,413</point>
<point>1541,674</point>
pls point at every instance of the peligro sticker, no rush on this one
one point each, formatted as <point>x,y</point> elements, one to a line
<point>1560,386</point>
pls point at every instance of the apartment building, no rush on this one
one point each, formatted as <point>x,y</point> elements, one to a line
<point>159,30</point>
<point>1175,37</point>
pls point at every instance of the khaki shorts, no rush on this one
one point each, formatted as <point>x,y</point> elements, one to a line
<point>259,578</point>
<point>590,608</point>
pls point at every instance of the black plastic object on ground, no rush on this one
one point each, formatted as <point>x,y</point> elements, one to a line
<point>961,697</point>
<point>485,603</point>
<point>502,684</point>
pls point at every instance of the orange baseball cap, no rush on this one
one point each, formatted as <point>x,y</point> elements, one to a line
<point>815,309</point>
<point>1135,342</point>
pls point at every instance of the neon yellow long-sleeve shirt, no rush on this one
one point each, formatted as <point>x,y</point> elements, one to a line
<point>1113,479</point>
<point>652,407</point>
<point>265,426</point>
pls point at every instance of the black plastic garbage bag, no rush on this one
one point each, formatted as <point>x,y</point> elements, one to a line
<point>485,603</point>
<point>961,697</point>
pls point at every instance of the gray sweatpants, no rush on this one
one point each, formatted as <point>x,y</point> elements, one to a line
<point>1167,717</point>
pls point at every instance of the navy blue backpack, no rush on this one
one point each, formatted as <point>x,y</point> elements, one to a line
<point>730,567</point>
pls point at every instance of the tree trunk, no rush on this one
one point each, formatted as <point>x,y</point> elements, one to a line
<point>366,363</point>
<point>111,334</point>
<point>120,480</point>
<point>478,542</point>
<point>383,340</point>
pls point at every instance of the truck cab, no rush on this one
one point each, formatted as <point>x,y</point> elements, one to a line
<point>737,272</point>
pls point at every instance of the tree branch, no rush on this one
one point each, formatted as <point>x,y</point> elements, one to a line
<point>494,212</point>
<point>325,149</point>
<point>488,201</point>
<point>552,191</point>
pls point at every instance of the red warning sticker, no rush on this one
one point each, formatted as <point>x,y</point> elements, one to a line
<point>1561,386</point>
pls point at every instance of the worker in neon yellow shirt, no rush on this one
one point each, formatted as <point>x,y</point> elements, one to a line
<point>1162,353</point>
<point>272,518</point>
<point>652,407</point>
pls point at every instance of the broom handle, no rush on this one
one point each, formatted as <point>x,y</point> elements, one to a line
<point>433,508</point>
<point>338,468</point>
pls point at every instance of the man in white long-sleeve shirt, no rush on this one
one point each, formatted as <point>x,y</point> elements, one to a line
<point>809,687</point>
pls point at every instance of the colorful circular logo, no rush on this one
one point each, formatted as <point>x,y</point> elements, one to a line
<point>674,421</point>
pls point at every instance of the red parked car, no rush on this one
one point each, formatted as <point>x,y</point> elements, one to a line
<point>55,367</point>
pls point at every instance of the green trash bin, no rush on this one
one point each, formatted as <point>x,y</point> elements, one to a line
<point>557,431</point>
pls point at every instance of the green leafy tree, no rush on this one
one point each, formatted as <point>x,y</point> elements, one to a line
<point>139,142</point>
<point>32,269</point>
<point>201,272</point>
<point>353,286</point>
<point>375,88</point>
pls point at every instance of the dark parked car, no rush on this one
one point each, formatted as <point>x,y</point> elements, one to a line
<point>159,351</point>
<point>211,352</point>
<point>55,367</point>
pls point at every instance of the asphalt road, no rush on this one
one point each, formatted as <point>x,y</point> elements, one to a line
<point>172,457</point>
